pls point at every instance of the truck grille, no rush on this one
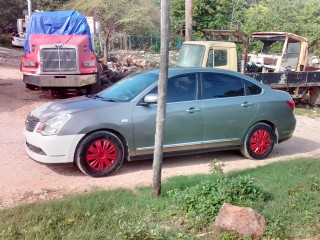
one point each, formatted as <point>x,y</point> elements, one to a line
<point>31,123</point>
<point>58,60</point>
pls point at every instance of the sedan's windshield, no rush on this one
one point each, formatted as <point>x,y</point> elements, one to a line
<point>190,55</point>
<point>128,88</point>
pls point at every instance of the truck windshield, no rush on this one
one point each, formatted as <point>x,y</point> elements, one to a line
<point>191,55</point>
<point>128,88</point>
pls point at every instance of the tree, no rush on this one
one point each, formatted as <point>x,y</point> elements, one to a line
<point>48,5</point>
<point>162,99</point>
<point>209,14</point>
<point>271,15</point>
<point>115,16</point>
<point>310,21</point>
<point>10,11</point>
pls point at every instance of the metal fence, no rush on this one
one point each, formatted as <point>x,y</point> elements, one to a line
<point>143,43</point>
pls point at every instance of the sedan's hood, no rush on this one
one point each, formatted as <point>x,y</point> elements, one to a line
<point>71,106</point>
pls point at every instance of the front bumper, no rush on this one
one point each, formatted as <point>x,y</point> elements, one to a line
<point>51,149</point>
<point>60,80</point>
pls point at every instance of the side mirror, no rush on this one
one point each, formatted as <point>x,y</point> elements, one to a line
<point>150,98</point>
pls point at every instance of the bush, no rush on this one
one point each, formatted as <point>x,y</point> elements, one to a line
<point>5,40</point>
<point>201,203</point>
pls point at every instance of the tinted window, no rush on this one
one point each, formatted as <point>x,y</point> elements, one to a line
<point>128,88</point>
<point>252,89</point>
<point>221,86</point>
<point>182,88</point>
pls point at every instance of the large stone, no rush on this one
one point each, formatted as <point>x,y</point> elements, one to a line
<point>242,220</point>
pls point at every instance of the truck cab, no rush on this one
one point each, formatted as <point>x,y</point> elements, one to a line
<point>279,52</point>
<point>59,53</point>
<point>208,54</point>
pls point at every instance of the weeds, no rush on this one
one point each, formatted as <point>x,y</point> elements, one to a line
<point>215,167</point>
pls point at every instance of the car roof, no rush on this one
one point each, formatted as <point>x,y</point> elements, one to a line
<point>174,71</point>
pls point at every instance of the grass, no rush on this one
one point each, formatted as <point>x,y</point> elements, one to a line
<point>291,206</point>
<point>309,112</point>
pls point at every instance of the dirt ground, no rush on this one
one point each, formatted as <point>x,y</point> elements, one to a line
<point>23,180</point>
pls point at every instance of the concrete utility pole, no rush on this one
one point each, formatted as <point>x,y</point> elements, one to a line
<point>162,98</point>
<point>188,26</point>
<point>29,8</point>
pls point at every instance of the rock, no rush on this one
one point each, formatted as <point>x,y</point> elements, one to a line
<point>242,220</point>
<point>40,191</point>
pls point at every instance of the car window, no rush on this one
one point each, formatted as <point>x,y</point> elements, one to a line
<point>251,88</point>
<point>221,86</point>
<point>128,88</point>
<point>181,88</point>
<point>220,58</point>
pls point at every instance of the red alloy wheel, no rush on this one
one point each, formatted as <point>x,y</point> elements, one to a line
<point>101,155</point>
<point>260,142</point>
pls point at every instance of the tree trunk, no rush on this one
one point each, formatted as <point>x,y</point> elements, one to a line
<point>188,12</point>
<point>106,49</point>
<point>162,96</point>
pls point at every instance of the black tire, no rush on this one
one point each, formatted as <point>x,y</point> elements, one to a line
<point>259,142</point>
<point>99,154</point>
<point>31,87</point>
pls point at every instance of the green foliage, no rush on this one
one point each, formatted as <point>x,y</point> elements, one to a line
<point>130,17</point>
<point>5,40</point>
<point>309,112</point>
<point>11,10</point>
<point>216,167</point>
<point>208,14</point>
<point>48,5</point>
<point>291,209</point>
<point>202,202</point>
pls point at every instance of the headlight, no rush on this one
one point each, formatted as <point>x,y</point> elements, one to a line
<point>53,125</point>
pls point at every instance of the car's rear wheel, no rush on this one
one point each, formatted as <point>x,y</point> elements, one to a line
<point>259,141</point>
<point>99,154</point>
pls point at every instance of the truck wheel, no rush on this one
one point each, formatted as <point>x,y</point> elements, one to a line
<point>259,141</point>
<point>95,87</point>
<point>99,154</point>
<point>314,94</point>
<point>31,87</point>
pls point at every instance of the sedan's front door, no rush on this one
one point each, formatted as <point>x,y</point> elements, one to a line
<point>183,124</point>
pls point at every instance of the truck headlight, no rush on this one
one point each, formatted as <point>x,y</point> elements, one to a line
<point>89,64</point>
<point>53,125</point>
<point>29,64</point>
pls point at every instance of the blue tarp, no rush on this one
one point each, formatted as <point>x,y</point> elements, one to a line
<point>58,23</point>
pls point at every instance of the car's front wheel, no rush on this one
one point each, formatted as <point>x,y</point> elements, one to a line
<point>259,141</point>
<point>99,154</point>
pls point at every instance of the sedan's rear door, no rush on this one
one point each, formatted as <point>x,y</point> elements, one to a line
<point>227,110</point>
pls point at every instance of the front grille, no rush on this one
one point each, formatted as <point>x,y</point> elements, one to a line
<point>31,123</point>
<point>58,60</point>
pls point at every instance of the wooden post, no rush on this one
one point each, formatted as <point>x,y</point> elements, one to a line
<point>188,26</point>
<point>162,96</point>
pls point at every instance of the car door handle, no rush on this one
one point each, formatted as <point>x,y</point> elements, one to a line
<point>246,104</point>
<point>192,110</point>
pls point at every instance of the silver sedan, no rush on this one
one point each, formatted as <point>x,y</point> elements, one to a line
<point>207,109</point>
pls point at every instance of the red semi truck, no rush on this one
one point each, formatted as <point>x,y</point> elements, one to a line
<point>59,53</point>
